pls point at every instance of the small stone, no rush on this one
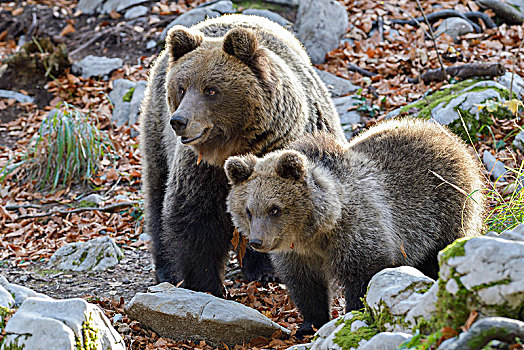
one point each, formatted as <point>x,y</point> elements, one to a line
<point>292,3</point>
<point>320,25</point>
<point>386,341</point>
<point>183,314</point>
<point>124,328</point>
<point>275,17</point>
<point>135,12</point>
<point>495,167</point>
<point>119,5</point>
<point>145,237</point>
<point>89,7</point>
<point>337,86</point>
<point>117,318</point>
<point>452,286</point>
<point>92,66</point>
<point>518,83</point>
<point>93,198</point>
<point>16,95</point>
<point>151,44</point>
<point>454,27</point>
<point>519,141</point>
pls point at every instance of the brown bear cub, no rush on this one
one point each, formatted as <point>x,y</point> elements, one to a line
<point>331,211</point>
<point>227,86</point>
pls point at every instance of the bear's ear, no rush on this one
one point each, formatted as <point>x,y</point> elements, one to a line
<point>239,169</point>
<point>241,43</point>
<point>291,165</point>
<point>181,40</point>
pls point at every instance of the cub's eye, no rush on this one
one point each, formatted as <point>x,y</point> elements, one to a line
<point>210,91</point>
<point>181,90</point>
<point>274,211</point>
<point>248,213</point>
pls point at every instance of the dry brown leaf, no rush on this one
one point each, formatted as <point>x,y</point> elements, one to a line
<point>68,29</point>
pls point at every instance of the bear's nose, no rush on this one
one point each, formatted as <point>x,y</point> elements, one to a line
<point>255,243</point>
<point>178,123</point>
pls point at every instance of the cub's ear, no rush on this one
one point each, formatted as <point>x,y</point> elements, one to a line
<point>241,43</point>
<point>291,165</point>
<point>181,40</point>
<point>239,169</point>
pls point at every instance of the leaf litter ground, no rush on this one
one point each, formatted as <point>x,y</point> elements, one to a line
<point>393,54</point>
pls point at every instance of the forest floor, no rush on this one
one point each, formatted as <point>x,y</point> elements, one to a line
<point>27,243</point>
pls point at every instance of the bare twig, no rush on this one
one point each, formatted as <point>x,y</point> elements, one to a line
<point>433,39</point>
<point>18,206</point>
<point>361,71</point>
<point>462,71</point>
<point>107,208</point>
<point>92,40</point>
<point>435,16</point>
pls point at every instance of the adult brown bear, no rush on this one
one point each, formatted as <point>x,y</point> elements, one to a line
<point>227,86</point>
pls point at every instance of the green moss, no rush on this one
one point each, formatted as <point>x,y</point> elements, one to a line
<point>81,259</point>
<point>128,95</point>
<point>89,335</point>
<point>454,249</point>
<point>86,204</point>
<point>4,312</point>
<point>347,339</point>
<point>491,284</point>
<point>12,346</point>
<point>420,341</point>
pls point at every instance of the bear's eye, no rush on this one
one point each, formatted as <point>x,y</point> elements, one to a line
<point>181,90</point>
<point>274,211</point>
<point>248,212</point>
<point>210,91</point>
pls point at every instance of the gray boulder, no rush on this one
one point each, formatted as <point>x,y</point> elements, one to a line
<point>92,66</point>
<point>454,27</point>
<point>20,293</point>
<point>275,17</point>
<point>16,95</point>
<point>396,291</point>
<point>518,83</point>
<point>97,254</point>
<point>43,324</point>
<point>200,13</point>
<point>337,86</point>
<point>486,274</point>
<point>6,298</point>
<point>179,313</point>
<point>495,167</point>
<point>319,26</point>
<point>446,112</point>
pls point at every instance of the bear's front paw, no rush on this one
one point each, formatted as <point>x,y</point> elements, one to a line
<point>305,329</point>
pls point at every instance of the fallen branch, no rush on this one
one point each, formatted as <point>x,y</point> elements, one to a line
<point>435,16</point>
<point>464,71</point>
<point>488,22</point>
<point>107,208</point>
<point>506,12</point>
<point>92,40</point>
<point>361,71</point>
<point>486,330</point>
<point>18,206</point>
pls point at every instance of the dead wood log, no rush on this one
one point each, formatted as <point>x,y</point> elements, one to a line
<point>464,71</point>
<point>506,12</point>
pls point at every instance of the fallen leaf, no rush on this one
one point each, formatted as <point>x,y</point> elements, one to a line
<point>68,29</point>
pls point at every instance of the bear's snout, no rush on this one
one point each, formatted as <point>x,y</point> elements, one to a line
<point>255,243</point>
<point>178,123</point>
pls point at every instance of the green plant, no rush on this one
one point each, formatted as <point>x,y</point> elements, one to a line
<point>68,148</point>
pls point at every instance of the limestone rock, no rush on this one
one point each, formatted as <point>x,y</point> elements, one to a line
<point>92,66</point>
<point>97,254</point>
<point>319,26</point>
<point>119,5</point>
<point>200,13</point>
<point>494,166</point>
<point>126,111</point>
<point>385,341</point>
<point>20,293</point>
<point>349,116</point>
<point>484,274</point>
<point>16,95</point>
<point>43,324</point>
<point>184,314</point>
<point>396,291</point>
<point>518,83</point>
<point>275,17</point>
<point>89,7</point>
<point>337,86</point>
<point>517,234</point>
<point>135,12</point>
<point>446,112</point>
<point>454,27</point>
<point>6,299</point>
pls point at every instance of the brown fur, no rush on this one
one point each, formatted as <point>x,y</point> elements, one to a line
<point>230,85</point>
<point>337,211</point>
